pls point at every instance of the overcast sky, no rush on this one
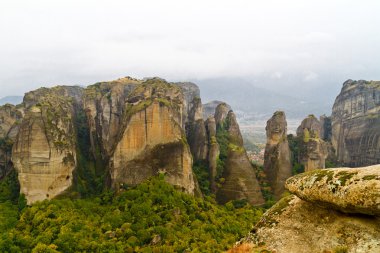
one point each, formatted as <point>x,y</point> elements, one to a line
<point>44,43</point>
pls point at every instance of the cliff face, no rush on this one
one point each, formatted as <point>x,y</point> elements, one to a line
<point>104,104</point>
<point>44,150</point>
<point>239,178</point>
<point>10,116</point>
<point>153,142</point>
<point>277,163</point>
<point>326,215</point>
<point>313,150</point>
<point>193,121</point>
<point>213,152</point>
<point>68,139</point>
<point>356,123</point>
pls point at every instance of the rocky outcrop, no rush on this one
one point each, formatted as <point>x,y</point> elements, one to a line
<point>44,152</point>
<point>213,152</point>
<point>209,108</point>
<point>118,134</point>
<point>238,178</point>
<point>191,94</point>
<point>313,150</point>
<point>10,117</point>
<point>152,140</point>
<point>308,224</point>
<point>326,128</point>
<point>193,121</point>
<point>277,163</point>
<point>104,104</point>
<point>356,123</point>
<point>343,189</point>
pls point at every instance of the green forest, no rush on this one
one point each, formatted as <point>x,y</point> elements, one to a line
<point>151,217</point>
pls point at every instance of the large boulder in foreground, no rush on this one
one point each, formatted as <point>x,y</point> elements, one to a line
<point>294,225</point>
<point>326,216</point>
<point>348,190</point>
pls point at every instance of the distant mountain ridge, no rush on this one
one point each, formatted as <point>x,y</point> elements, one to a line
<point>14,100</point>
<point>260,103</point>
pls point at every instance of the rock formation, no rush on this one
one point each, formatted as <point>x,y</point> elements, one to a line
<point>194,123</point>
<point>277,163</point>
<point>213,152</point>
<point>139,126</point>
<point>44,151</point>
<point>326,131</point>
<point>356,123</point>
<point>116,134</point>
<point>10,117</point>
<point>347,190</point>
<point>306,222</point>
<point>209,108</point>
<point>104,104</point>
<point>313,150</point>
<point>153,140</point>
<point>239,179</point>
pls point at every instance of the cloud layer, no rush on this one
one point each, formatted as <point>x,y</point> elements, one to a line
<point>80,42</point>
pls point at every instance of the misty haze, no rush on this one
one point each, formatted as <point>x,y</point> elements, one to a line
<point>190,126</point>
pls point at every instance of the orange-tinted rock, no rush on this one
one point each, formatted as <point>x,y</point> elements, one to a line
<point>44,151</point>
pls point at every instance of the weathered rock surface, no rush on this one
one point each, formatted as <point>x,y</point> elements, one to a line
<point>210,107</point>
<point>10,117</point>
<point>313,150</point>
<point>44,150</point>
<point>125,130</point>
<point>277,163</point>
<point>194,123</point>
<point>356,123</point>
<point>152,139</point>
<point>349,190</point>
<point>294,225</point>
<point>213,151</point>
<point>326,128</point>
<point>192,110</point>
<point>239,176</point>
<point>104,104</point>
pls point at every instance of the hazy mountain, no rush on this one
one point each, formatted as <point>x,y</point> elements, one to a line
<point>250,100</point>
<point>11,100</point>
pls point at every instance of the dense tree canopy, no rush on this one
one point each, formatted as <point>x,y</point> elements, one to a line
<point>152,217</point>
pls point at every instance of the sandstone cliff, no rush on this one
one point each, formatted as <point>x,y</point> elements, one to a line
<point>213,152</point>
<point>104,104</point>
<point>151,139</point>
<point>72,140</point>
<point>312,149</point>
<point>10,117</point>
<point>237,178</point>
<point>277,159</point>
<point>306,222</point>
<point>356,123</point>
<point>44,151</point>
<point>193,121</point>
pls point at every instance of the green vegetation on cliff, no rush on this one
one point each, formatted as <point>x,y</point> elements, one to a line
<point>90,172</point>
<point>295,145</point>
<point>202,174</point>
<point>152,217</point>
<point>222,138</point>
